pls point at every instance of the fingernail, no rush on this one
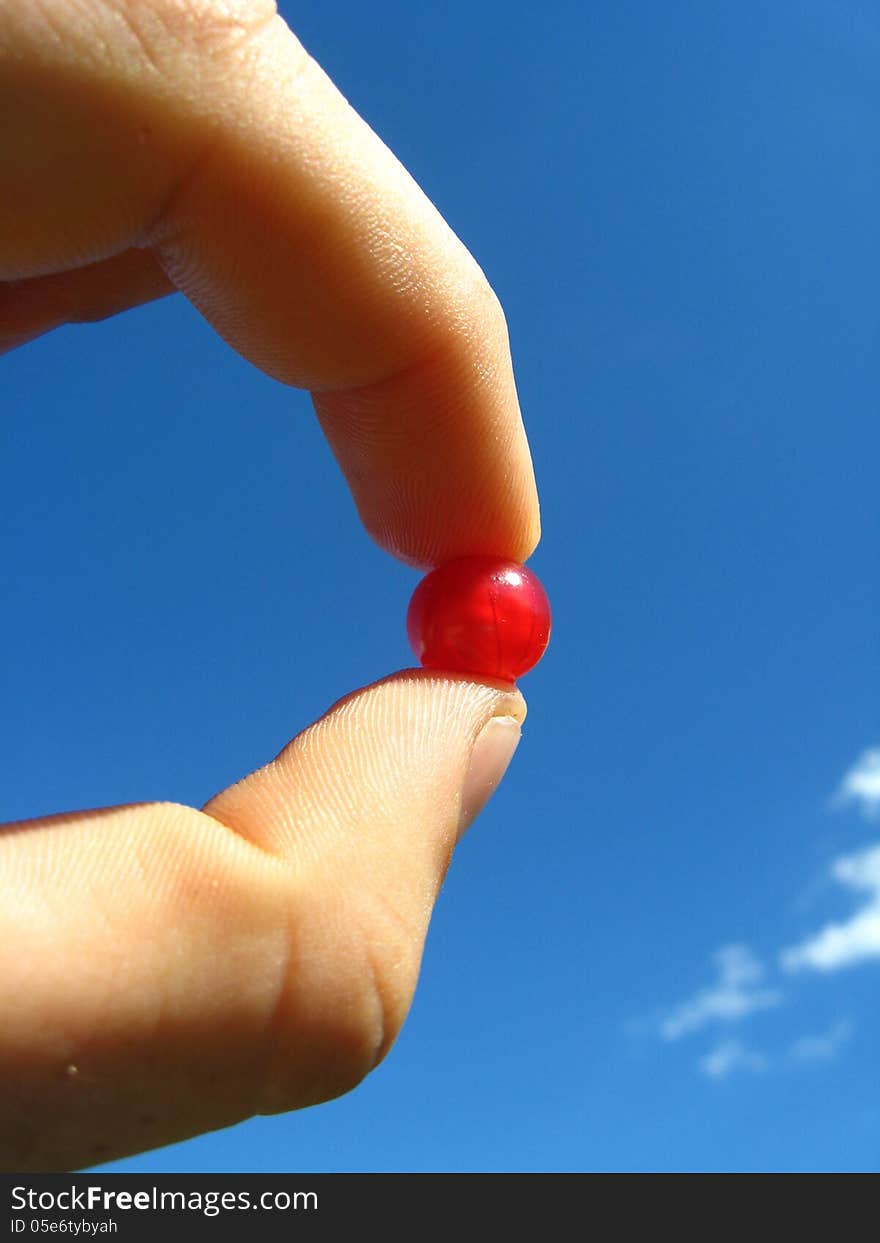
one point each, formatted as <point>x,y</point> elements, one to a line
<point>490,757</point>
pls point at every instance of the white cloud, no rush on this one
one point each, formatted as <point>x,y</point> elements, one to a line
<point>822,1048</point>
<point>742,986</point>
<point>853,940</point>
<point>730,1056</point>
<point>862,783</point>
<point>733,997</point>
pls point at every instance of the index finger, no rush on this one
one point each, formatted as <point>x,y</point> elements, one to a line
<point>203,132</point>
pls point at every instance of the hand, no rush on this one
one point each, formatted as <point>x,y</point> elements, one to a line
<point>163,970</point>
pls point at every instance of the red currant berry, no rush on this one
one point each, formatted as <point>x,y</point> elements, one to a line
<point>480,615</point>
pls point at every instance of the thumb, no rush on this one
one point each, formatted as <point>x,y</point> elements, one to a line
<point>366,807</point>
<point>165,971</point>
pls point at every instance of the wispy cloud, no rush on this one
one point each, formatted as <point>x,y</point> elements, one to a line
<point>822,1048</point>
<point>742,986</point>
<point>853,940</point>
<point>861,784</point>
<point>736,994</point>
<point>730,1056</point>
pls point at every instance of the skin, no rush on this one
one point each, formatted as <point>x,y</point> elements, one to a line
<point>166,970</point>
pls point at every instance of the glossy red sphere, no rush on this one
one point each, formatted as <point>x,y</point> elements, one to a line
<point>480,615</point>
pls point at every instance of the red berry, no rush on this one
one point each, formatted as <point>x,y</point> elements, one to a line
<point>480,615</point>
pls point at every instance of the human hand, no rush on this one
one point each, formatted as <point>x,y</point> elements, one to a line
<point>163,970</point>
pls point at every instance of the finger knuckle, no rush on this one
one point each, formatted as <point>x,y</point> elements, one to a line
<point>343,1006</point>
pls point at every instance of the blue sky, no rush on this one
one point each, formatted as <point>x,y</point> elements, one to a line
<point>660,947</point>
